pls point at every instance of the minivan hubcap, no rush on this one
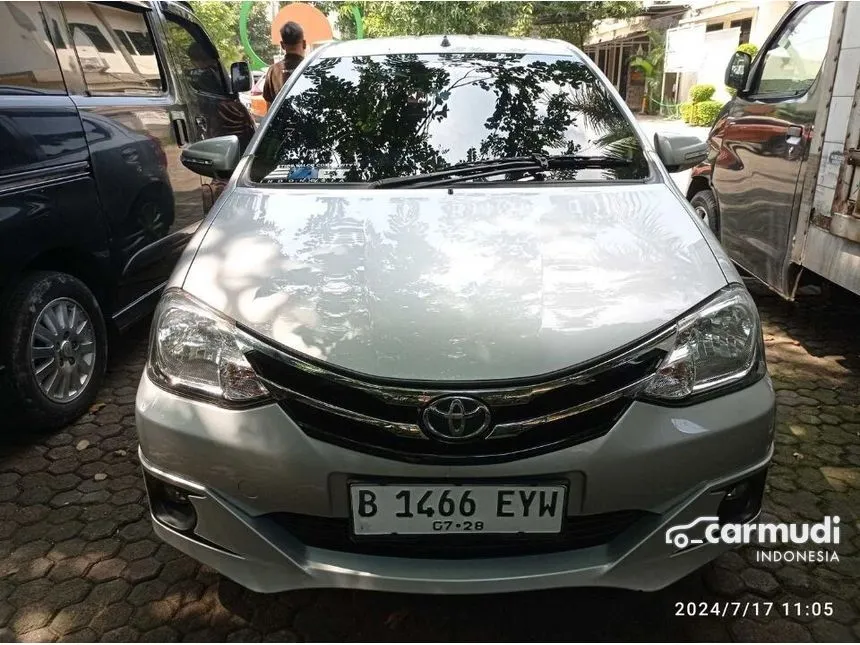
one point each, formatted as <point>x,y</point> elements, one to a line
<point>62,350</point>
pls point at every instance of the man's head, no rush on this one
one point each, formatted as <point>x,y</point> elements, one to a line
<point>293,38</point>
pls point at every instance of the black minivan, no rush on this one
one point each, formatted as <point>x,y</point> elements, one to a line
<point>96,101</point>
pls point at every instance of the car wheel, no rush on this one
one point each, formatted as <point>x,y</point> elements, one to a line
<point>53,343</point>
<point>705,205</point>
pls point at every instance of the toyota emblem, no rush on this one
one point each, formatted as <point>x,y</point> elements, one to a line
<point>456,418</point>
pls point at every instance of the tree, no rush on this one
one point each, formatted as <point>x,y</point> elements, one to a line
<point>221,22</point>
<point>571,21</point>
<point>260,33</point>
<point>420,18</point>
<point>651,66</point>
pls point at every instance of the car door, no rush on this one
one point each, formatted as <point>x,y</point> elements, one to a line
<point>48,201</point>
<point>765,140</point>
<point>135,122</point>
<point>216,111</point>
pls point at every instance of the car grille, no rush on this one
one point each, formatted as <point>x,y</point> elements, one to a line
<point>527,417</point>
<point>577,532</point>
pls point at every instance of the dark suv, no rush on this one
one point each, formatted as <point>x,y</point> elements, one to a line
<point>96,101</point>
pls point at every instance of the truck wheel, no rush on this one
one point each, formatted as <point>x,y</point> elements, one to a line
<point>705,205</point>
<point>53,343</point>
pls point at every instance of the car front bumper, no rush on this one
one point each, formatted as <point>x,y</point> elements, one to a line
<point>241,466</point>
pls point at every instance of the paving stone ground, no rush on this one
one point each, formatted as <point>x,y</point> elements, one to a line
<point>78,560</point>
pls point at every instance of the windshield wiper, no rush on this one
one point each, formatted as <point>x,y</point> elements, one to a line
<point>491,167</point>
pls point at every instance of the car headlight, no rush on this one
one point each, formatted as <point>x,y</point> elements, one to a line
<point>718,346</point>
<point>194,350</point>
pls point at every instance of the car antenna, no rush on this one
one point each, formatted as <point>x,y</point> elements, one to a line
<point>445,41</point>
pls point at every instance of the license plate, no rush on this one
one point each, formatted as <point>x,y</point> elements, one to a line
<point>417,510</point>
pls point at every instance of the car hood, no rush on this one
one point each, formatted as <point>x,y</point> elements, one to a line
<point>473,285</point>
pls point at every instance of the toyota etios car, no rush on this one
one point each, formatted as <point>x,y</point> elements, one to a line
<point>451,328</point>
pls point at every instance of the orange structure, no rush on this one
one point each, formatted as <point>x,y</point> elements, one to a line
<point>313,21</point>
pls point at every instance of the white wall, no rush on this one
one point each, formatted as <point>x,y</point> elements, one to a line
<point>765,19</point>
<point>719,47</point>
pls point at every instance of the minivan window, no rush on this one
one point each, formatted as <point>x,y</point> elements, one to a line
<point>364,118</point>
<point>31,139</point>
<point>123,37</point>
<point>792,62</point>
<point>91,35</point>
<point>141,42</point>
<point>28,62</point>
<point>59,42</point>
<point>196,57</point>
<point>109,62</point>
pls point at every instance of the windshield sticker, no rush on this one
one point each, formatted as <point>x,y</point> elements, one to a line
<point>294,174</point>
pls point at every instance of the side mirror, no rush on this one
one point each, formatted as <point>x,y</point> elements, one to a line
<point>240,77</point>
<point>738,71</point>
<point>216,157</point>
<point>680,151</point>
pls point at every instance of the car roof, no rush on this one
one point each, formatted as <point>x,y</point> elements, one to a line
<point>456,45</point>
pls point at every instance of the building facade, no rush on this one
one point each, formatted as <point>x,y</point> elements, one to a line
<point>719,27</point>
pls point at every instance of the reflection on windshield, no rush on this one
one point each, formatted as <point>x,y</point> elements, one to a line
<point>360,119</point>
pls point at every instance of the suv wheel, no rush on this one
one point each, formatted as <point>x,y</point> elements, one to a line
<point>54,344</point>
<point>705,205</point>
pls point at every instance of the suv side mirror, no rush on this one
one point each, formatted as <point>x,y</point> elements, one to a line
<point>738,71</point>
<point>680,151</point>
<point>216,157</point>
<point>240,77</point>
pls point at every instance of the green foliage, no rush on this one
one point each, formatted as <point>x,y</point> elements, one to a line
<point>651,65</point>
<point>702,92</point>
<point>646,66</point>
<point>260,33</point>
<point>702,113</point>
<point>571,21</point>
<point>700,109</point>
<point>705,112</point>
<point>344,21</point>
<point>221,22</point>
<point>421,18</point>
<point>686,110</point>
<point>748,48</point>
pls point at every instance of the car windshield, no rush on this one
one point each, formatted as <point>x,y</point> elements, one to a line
<point>365,118</point>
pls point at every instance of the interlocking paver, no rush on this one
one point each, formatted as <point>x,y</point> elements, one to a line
<point>79,561</point>
<point>112,617</point>
<point>106,570</point>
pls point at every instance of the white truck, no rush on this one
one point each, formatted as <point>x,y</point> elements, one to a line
<point>780,185</point>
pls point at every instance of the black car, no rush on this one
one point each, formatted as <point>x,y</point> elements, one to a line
<point>96,101</point>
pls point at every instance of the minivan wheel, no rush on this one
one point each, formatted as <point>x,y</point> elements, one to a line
<point>54,344</point>
<point>705,205</point>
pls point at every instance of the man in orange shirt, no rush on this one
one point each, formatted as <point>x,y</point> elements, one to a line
<point>294,46</point>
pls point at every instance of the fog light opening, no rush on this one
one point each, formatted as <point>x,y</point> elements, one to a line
<point>742,501</point>
<point>171,505</point>
<point>738,491</point>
